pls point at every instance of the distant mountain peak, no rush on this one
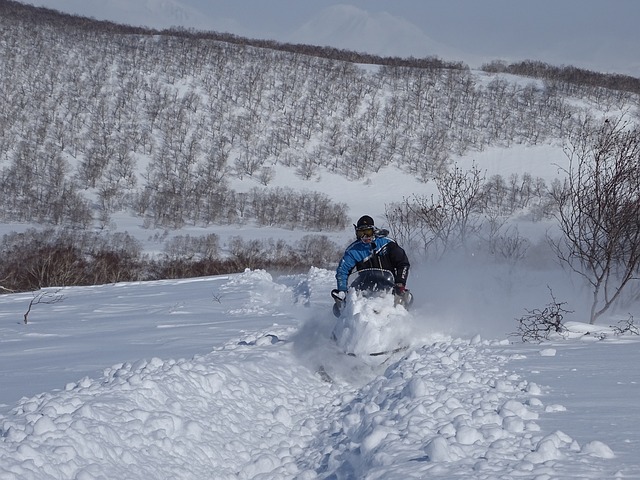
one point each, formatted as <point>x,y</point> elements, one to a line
<point>381,33</point>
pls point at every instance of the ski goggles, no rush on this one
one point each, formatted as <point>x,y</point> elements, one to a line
<point>364,232</point>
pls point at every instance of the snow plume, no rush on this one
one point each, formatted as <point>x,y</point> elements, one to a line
<point>281,400</point>
<point>369,325</point>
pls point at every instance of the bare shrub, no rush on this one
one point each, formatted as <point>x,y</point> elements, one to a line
<point>188,247</point>
<point>318,251</point>
<point>627,326</point>
<point>538,324</point>
<point>511,246</point>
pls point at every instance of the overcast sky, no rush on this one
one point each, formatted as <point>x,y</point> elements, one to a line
<point>600,35</point>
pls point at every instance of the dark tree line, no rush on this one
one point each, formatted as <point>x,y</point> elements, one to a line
<point>36,259</point>
<point>568,75</point>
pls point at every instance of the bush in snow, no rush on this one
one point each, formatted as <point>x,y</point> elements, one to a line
<point>627,326</point>
<point>538,324</point>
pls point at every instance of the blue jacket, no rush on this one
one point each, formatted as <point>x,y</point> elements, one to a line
<point>381,253</point>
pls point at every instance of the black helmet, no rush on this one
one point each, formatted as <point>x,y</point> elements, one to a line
<point>364,222</point>
<point>365,230</point>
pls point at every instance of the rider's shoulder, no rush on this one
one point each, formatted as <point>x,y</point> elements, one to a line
<point>381,241</point>
<point>357,245</point>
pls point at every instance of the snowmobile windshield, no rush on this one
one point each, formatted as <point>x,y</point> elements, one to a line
<point>373,280</point>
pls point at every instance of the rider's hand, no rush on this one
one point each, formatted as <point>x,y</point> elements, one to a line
<point>399,289</point>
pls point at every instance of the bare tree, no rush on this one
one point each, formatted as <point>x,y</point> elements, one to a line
<point>45,296</point>
<point>599,210</point>
<point>460,199</point>
<point>437,225</point>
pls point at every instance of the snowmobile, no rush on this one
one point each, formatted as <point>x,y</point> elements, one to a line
<point>372,315</point>
<point>372,282</point>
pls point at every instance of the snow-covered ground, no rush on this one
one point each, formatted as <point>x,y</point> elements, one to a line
<point>219,378</point>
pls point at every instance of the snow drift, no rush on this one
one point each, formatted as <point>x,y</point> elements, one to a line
<point>256,407</point>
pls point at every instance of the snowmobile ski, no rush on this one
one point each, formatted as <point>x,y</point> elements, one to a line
<point>384,352</point>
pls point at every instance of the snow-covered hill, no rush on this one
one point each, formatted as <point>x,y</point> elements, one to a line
<point>218,378</point>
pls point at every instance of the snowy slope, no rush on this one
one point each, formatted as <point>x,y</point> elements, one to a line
<point>217,378</point>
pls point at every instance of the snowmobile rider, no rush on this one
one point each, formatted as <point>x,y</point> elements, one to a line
<point>372,249</point>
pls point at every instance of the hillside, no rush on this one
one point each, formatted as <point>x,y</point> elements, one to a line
<point>178,129</point>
